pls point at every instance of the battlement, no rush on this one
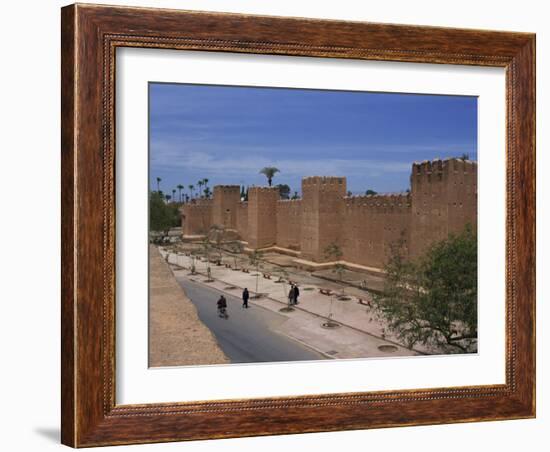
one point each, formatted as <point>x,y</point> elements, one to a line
<point>200,202</point>
<point>257,194</point>
<point>443,166</point>
<point>402,200</point>
<point>227,189</point>
<point>323,181</point>
<point>262,189</point>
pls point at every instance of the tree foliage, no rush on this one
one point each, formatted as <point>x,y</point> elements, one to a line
<point>433,300</point>
<point>162,216</point>
<point>284,191</point>
<point>269,172</point>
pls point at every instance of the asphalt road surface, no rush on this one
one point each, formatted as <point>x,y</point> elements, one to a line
<point>248,335</point>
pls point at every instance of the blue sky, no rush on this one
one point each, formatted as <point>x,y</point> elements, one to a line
<point>227,134</point>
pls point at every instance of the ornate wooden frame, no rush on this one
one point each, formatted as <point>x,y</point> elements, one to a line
<point>90,35</point>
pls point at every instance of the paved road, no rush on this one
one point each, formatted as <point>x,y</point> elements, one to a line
<point>248,335</point>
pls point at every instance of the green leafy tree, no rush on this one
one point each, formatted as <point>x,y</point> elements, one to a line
<point>433,300</point>
<point>371,192</point>
<point>269,172</point>
<point>162,216</point>
<point>295,195</point>
<point>284,191</point>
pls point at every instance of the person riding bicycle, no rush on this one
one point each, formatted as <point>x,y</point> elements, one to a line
<point>222,305</point>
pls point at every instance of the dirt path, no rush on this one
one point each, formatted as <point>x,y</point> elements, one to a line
<point>176,335</point>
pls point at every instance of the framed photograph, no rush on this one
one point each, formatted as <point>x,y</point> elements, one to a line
<point>281,225</point>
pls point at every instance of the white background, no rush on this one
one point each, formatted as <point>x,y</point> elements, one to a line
<point>137,384</point>
<point>29,231</point>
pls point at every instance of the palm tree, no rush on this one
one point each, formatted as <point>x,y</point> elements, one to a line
<point>191,188</point>
<point>269,172</point>
<point>174,195</point>
<point>180,188</point>
<point>168,198</point>
<point>205,180</point>
<point>200,184</point>
<point>158,183</point>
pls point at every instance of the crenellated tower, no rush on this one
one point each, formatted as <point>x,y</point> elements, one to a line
<point>262,221</point>
<point>444,200</point>
<point>226,200</point>
<point>322,204</point>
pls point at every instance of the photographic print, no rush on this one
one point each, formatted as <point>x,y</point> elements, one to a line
<point>294,224</point>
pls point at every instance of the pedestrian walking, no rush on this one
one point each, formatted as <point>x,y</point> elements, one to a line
<point>291,295</point>
<point>246,296</point>
<point>296,293</point>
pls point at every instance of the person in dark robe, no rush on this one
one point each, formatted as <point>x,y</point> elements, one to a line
<point>246,296</point>
<point>296,293</point>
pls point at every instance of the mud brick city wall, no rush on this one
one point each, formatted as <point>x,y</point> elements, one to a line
<point>371,224</point>
<point>289,221</point>
<point>322,204</point>
<point>224,208</point>
<point>262,224</point>
<point>442,200</point>
<point>197,217</point>
<point>242,219</point>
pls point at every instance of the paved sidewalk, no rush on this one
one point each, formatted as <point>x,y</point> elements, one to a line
<point>313,310</point>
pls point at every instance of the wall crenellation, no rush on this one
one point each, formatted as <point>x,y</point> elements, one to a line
<point>256,189</point>
<point>380,200</point>
<point>442,200</point>
<point>323,181</point>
